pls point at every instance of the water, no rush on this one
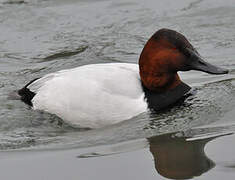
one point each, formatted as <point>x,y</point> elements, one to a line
<point>38,37</point>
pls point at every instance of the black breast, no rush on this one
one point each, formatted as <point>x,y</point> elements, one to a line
<point>159,101</point>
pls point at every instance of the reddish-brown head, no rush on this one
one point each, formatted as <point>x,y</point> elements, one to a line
<point>165,53</point>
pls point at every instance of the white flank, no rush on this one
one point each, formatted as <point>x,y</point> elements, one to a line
<point>93,95</point>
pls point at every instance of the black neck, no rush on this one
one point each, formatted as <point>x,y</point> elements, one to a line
<point>158,101</point>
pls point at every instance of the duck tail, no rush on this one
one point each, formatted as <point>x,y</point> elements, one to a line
<point>25,94</point>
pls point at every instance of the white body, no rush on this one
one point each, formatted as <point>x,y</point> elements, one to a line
<point>92,95</point>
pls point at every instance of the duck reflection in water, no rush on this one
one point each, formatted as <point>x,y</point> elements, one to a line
<point>175,157</point>
<point>178,158</point>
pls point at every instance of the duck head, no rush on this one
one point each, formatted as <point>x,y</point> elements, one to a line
<point>166,53</point>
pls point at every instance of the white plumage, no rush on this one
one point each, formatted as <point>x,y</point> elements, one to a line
<point>92,95</point>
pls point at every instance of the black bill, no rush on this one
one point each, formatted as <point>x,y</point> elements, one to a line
<point>197,63</point>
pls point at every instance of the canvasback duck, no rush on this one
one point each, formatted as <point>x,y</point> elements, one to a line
<point>97,95</point>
